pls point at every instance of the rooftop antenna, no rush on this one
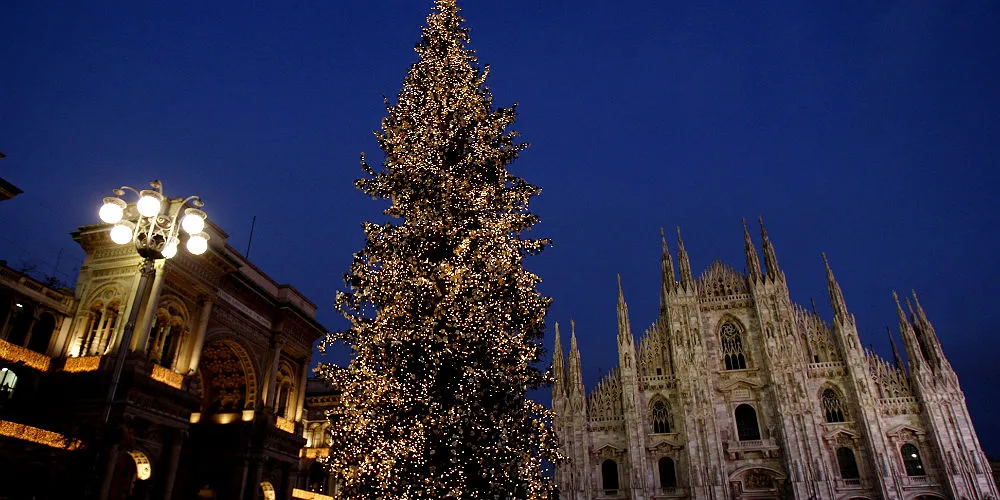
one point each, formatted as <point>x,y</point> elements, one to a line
<point>253,223</point>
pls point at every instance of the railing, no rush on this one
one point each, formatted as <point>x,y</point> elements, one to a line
<point>18,354</point>
<point>36,435</point>
<point>753,444</point>
<point>285,425</point>
<point>82,364</point>
<point>918,480</point>
<point>855,481</point>
<point>167,376</point>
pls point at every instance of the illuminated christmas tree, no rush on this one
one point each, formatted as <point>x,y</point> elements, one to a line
<point>446,322</point>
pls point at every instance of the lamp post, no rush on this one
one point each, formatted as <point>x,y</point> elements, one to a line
<point>152,226</point>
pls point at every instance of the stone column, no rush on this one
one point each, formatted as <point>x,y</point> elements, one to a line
<point>301,398</point>
<point>199,337</point>
<point>272,375</point>
<point>149,309</point>
<point>173,460</point>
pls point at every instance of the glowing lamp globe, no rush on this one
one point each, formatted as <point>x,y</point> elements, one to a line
<point>112,210</point>
<point>170,249</point>
<point>197,243</point>
<point>193,221</point>
<point>122,233</point>
<point>149,203</point>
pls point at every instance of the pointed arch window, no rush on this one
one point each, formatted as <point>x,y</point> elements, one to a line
<point>609,477</point>
<point>848,465</point>
<point>834,408</point>
<point>668,474</point>
<point>732,347</point>
<point>659,417</point>
<point>911,460</point>
<point>746,423</point>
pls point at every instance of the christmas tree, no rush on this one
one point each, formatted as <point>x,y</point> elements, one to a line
<point>446,322</point>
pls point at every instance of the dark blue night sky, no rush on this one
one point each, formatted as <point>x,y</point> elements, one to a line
<point>868,130</point>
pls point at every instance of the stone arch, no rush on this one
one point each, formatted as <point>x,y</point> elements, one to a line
<point>732,336</point>
<point>267,490</point>
<point>285,389</point>
<point>100,315</point>
<point>229,378</point>
<point>833,403</point>
<point>658,410</point>
<point>170,327</point>
<point>41,333</point>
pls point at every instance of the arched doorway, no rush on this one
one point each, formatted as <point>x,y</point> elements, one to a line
<point>228,380</point>
<point>131,476</point>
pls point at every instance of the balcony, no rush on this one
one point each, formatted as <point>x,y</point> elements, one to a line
<point>766,447</point>
<point>17,354</point>
<point>82,364</point>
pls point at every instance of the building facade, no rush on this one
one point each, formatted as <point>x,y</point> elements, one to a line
<point>210,403</point>
<point>735,392</point>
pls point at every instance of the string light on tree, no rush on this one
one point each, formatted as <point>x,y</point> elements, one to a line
<point>446,322</point>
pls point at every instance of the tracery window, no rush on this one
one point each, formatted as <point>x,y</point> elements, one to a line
<point>848,465</point>
<point>834,408</point>
<point>609,477</point>
<point>746,423</point>
<point>659,417</point>
<point>911,460</point>
<point>165,335</point>
<point>102,321</point>
<point>732,347</point>
<point>668,474</point>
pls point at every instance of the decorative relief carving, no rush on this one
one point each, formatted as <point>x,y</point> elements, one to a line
<point>605,403</point>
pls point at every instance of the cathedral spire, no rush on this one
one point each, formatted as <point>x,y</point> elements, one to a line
<point>753,263</point>
<point>624,328</point>
<point>770,259</point>
<point>668,279</point>
<point>895,350</point>
<point>574,376</point>
<point>836,295</point>
<point>913,352</point>
<point>687,279</point>
<point>558,375</point>
<point>928,337</point>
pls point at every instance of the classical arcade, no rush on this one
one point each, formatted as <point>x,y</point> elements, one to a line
<point>211,398</point>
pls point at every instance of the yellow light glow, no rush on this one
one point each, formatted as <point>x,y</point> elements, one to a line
<point>285,424</point>
<point>268,489</point>
<point>18,354</point>
<point>309,495</point>
<point>195,417</point>
<point>142,467</point>
<point>112,210</point>
<point>36,435</point>
<point>166,376</point>
<point>248,415</point>
<point>82,364</point>
<point>197,243</point>
<point>122,232</point>
<point>224,418</point>
<point>149,204</point>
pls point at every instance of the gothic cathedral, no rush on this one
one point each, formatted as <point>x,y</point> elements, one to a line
<point>735,392</point>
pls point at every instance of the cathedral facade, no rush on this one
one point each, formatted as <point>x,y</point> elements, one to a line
<point>736,392</point>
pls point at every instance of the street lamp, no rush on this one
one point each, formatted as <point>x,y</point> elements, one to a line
<point>152,226</point>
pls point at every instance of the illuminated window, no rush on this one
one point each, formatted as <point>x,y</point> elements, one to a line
<point>834,408</point>
<point>732,347</point>
<point>746,423</point>
<point>659,418</point>
<point>911,460</point>
<point>848,465</point>
<point>8,380</point>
